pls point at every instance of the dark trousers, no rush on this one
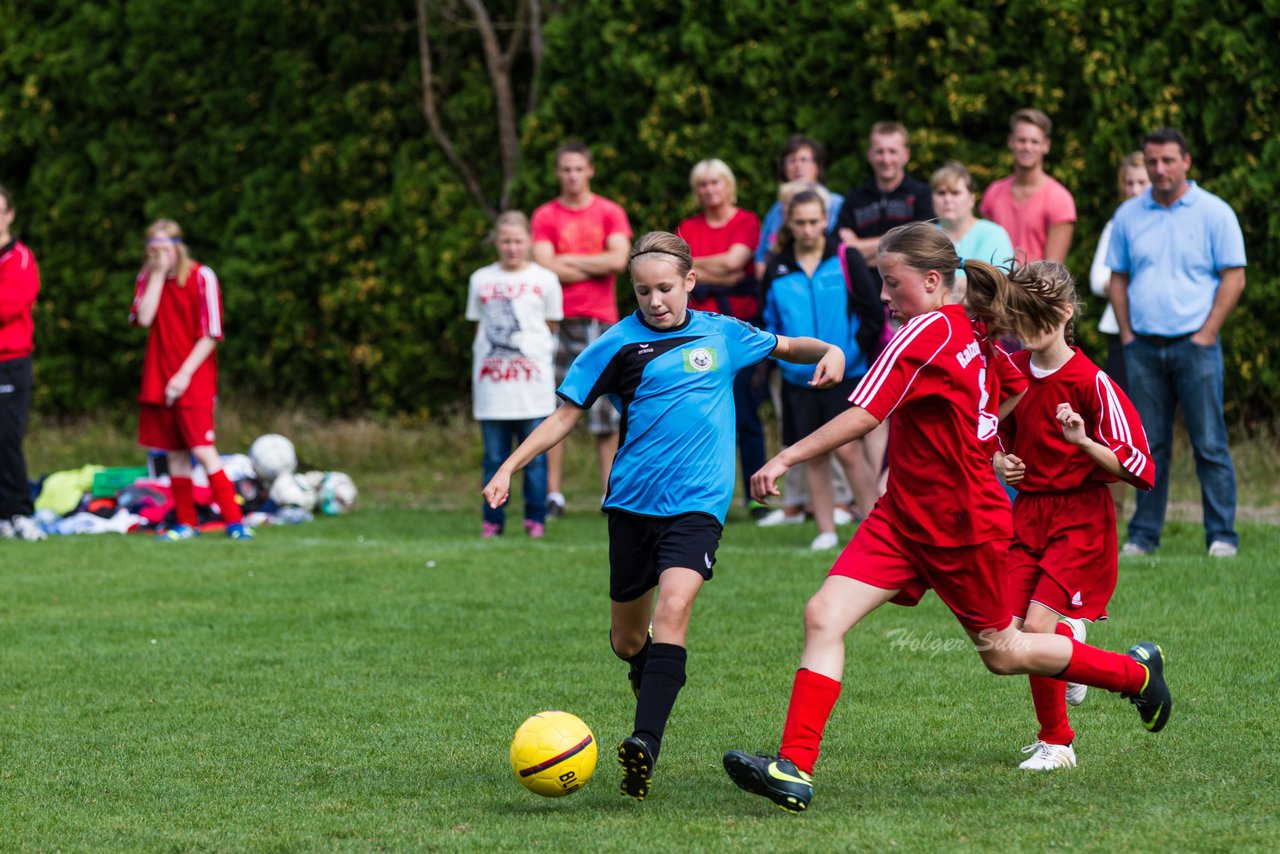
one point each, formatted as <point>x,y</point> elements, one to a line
<point>15,403</point>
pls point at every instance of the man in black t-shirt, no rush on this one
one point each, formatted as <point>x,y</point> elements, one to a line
<point>891,198</point>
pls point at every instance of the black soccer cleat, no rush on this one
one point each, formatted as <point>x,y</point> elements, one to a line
<point>1154,700</point>
<point>634,675</point>
<point>637,767</point>
<point>771,777</point>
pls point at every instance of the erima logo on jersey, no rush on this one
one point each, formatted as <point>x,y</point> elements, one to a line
<point>699,359</point>
<point>643,349</point>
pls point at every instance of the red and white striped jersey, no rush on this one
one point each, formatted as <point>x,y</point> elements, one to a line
<point>1033,433</point>
<point>937,378</point>
<point>185,315</point>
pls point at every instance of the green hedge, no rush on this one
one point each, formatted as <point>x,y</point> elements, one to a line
<point>287,138</point>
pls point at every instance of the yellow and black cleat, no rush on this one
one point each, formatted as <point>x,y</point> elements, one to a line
<point>637,767</point>
<point>771,777</point>
<point>1154,700</point>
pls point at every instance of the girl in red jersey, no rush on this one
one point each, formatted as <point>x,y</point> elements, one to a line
<point>179,300</point>
<point>944,521</point>
<point>1073,433</point>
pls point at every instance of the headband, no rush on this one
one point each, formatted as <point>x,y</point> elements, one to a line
<point>635,255</point>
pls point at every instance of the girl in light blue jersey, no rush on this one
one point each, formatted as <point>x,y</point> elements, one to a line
<point>669,370</point>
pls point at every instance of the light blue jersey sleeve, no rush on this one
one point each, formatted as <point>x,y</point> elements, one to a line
<point>591,374</point>
<point>747,345</point>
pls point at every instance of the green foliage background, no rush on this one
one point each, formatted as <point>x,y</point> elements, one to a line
<point>287,138</point>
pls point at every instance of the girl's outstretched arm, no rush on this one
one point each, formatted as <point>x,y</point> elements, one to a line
<point>854,423</point>
<point>807,351</point>
<point>546,435</point>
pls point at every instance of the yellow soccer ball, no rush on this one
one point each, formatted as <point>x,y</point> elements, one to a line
<point>553,754</point>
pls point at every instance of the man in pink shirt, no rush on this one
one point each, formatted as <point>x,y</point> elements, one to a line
<point>1037,211</point>
<point>584,239</point>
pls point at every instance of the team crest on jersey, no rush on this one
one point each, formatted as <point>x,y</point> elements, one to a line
<point>699,359</point>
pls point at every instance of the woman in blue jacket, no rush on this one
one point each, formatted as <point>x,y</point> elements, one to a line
<point>807,293</point>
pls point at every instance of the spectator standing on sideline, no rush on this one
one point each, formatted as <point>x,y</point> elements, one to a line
<point>1037,211</point>
<point>179,301</point>
<point>722,239</point>
<point>981,239</point>
<point>891,198</point>
<point>801,159</point>
<point>584,239</point>
<point>19,286</point>
<point>516,305</point>
<point>1177,264</point>
<point>1133,182</point>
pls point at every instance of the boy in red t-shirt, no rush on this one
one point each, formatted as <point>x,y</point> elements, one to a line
<point>179,300</point>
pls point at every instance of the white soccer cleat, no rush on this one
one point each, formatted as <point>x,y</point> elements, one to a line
<point>1076,691</point>
<point>1048,757</point>
<point>842,517</point>
<point>822,542</point>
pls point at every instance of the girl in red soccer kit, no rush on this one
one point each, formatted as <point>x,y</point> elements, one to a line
<point>944,522</point>
<point>180,301</point>
<point>1073,433</point>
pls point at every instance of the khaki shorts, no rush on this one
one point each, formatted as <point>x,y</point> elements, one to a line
<point>574,336</point>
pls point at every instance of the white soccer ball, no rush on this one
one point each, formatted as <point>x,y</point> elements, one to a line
<point>293,490</point>
<point>273,455</point>
<point>337,494</point>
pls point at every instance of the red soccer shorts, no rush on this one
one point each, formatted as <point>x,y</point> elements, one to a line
<point>1064,553</point>
<point>168,428</point>
<point>969,579</point>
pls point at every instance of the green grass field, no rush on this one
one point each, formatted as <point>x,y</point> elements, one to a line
<point>353,684</point>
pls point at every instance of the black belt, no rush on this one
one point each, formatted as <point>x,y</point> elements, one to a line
<point>1162,340</point>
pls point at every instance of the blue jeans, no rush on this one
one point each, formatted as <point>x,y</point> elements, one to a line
<point>500,439</point>
<point>1165,372</point>
<point>750,389</point>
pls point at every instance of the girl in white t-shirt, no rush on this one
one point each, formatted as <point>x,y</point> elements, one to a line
<point>517,305</point>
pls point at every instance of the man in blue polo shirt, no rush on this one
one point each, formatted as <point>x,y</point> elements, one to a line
<point>1177,270</point>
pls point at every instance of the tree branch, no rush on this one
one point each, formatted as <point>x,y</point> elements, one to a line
<point>433,118</point>
<point>535,51</point>
<point>503,98</point>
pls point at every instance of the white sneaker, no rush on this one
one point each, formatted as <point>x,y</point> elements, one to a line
<point>1048,757</point>
<point>6,529</point>
<point>780,517</point>
<point>1076,691</point>
<point>25,528</point>
<point>822,542</point>
<point>1221,548</point>
<point>842,516</point>
<point>555,505</point>
<point>1134,550</point>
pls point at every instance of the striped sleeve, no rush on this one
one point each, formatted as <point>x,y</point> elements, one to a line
<point>1120,429</point>
<point>1012,380</point>
<point>892,376</point>
<point>210,304</point>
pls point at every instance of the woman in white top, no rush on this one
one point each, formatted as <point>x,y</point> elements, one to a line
<point>1133,181</point>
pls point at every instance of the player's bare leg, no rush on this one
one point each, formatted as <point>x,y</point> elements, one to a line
<point>785,779</point>
<point>1137,675</point>
<point>664,676</point>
